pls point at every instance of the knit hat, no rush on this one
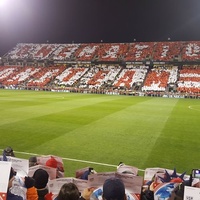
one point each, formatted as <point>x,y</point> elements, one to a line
<point>113,188</point>
<point>41,178</point>
<point>52,163</point>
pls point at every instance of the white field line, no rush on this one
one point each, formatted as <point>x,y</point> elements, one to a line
<point>192,108</point>
<point>72,159</point>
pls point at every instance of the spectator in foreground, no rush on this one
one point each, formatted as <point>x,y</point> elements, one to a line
<point>31,193</point>
<point>68,191</point>
<point>41,178</point>
<point>113,189</point>
<point>17,185</point>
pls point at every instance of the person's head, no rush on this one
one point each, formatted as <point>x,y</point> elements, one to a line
<point>113,189</point>
<point>68,191</point>
<point>32,161</point>
<point>8,151</point>
<point>52,162</point>
<point>41,178</point>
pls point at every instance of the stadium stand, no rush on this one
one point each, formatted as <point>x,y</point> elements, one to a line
<point>86,52</point>
<point>189,80</point>
<point>69,76</point>
<point>44,76</point>
<point>166,51</point>
<point>98,76</point>
<point>111,52</point>
<point>191,51</point>
<point>159,78</point>
<point>20,75</point>
<point>139,67</point>
<point>64,51</point>
<point>139,51</point>
<point>130,76</point>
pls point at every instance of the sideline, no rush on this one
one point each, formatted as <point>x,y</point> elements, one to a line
<point>72,159</point>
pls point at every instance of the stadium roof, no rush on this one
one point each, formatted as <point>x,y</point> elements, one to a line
<point>86,21</point>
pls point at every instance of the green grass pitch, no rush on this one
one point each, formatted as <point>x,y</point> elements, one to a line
<point>140,131</point>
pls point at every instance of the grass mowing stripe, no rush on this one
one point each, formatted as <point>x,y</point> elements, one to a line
<point>116,137</point>
<point>23,110</point>
<point>140,131</point>
<point>178,145</point>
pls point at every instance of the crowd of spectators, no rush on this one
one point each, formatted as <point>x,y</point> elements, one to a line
<point>137,51</point>
<point>123,184</point>
<point>104,77</point>
<point>189,80</point>
<point>109,68</point>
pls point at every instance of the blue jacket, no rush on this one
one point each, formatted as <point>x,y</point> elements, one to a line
<point>11,196</point>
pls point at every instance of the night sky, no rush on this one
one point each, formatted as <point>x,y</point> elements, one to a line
<point>87,21</point>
